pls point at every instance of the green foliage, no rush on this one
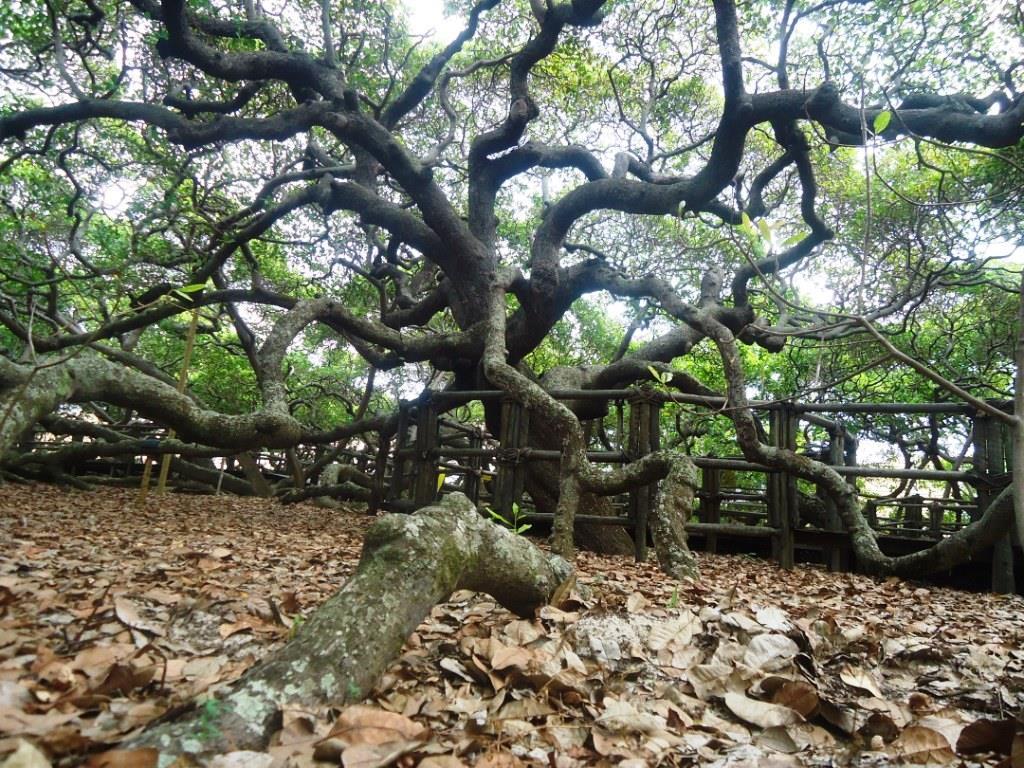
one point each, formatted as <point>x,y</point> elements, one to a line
<point>585,335</point>
<point>26,22</point>
<point>646,81</point>
<point>516,524</point>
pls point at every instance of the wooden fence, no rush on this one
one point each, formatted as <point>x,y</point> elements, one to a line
<point>492,472</point>
<point>433,453</point>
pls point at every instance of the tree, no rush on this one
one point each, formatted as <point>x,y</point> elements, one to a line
<point>311,176</point>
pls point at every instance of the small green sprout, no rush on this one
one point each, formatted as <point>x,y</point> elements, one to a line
<point>210,712</point>
<point>516,524</point>
<point>673,601</point>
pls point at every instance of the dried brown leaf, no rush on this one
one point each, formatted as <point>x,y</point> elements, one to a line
<point>920,746</point>
<point>26,756</point>
<point>361,724</point>
<point>499,759</point>
<point>760,713</point>
<point>376,755</point>
<point>799,696</point>
<point>124,758</point>
<point>127,613</point>
<point>985,735</point>
<point>855,677</point>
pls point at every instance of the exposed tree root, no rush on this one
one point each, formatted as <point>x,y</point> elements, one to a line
<point>409,564</point>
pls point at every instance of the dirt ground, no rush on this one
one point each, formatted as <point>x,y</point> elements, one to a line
<point>112,613</point>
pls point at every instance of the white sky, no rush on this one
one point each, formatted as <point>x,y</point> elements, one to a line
<point>426,17</point>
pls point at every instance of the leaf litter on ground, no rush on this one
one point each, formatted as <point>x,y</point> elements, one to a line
<point>111,614</point>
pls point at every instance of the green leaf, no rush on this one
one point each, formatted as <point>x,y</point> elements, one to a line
<point>765,229</point>
<point>440,480</point>
<point>497,516</point>
<point>192,288</point>
<point>747,225</point>
<point>882,120</point>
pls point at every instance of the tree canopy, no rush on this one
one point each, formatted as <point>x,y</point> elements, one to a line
<point>584,193</point>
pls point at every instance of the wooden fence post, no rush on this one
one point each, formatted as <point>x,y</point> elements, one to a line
<point>521,444</point>
<point>980,465</point>
<point>620,426</point>
<point>782,488</point>
<point>711,504</point>
<point>471,486</point>
<point>653,444</point>
<point>425,487</point>
<point>990,462</point>
<point>508,485</point>
<point>836,457</point>
<point>639,427</point>
<point>398,467</point>
<point>380,470</point>
<point>792,422</point>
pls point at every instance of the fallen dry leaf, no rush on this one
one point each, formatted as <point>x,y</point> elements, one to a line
<point>499,759</point>
<point>26,756</point>
<point>377,755</point>
<point>124,758</point>
<point>799,696</point>
<point>361,724</point>
<point>760,713</point>
<point>128,613</point>
<point>242,760</point>
<point>769,652</point>
<point>984,735</point>
<point>920,746</point>
<point>855,677</point>
<point>441,761</point>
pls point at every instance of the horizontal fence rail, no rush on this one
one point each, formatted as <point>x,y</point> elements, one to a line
<point>431,453</point>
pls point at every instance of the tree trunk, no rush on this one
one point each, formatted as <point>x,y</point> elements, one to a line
<point>668,523</point>
<point>24,401</point>
<point>409,564</point>
<point>672,509</point>
<point>542,478</point>
<point>254,475</point>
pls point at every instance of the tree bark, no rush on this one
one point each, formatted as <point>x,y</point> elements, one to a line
<point>671,510</point>
<point>542,480</point>
<point>576,475</point>
<point>409,564</point>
